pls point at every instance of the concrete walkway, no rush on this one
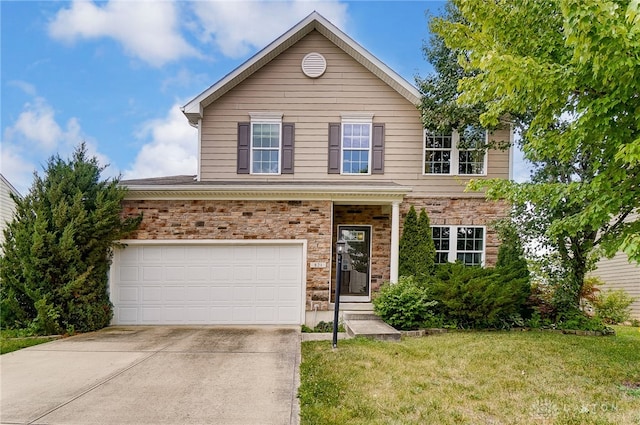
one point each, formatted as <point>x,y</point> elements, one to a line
<point>156,375</point>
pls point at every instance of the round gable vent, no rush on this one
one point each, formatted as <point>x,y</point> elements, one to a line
<point>314,65</point>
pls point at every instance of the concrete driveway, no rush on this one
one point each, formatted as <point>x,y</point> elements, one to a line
<point>156,375</point>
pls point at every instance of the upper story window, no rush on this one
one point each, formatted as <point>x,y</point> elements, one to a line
<point>356,145</point>
<point>266,130</point>
<point>356,148</point>
<point>265,145</point>
<point>459,243</point>
<point>458,152</point>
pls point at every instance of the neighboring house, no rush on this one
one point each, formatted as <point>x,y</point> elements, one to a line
<point>619,273</point>
<point>311,140</point>
<point>7,206</point>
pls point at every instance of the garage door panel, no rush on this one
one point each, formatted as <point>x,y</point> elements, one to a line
<point>243,293</point>
<point>173,293</point>
<point>208,284</point>
<point>151,254</point>
<point>221,314</point>
<point>290,295</point>
<point>127,315</point>
<point>198,294</point>
<point>244,273</point>
<point>222,273</point>
<point>222,295</point>
<point>152,274</point>
<point>128,274</point>
<point>266,293</point>
<point>173,254</point>
<point>151,293</point>
<point>128,294</point>
<point>151,315</point>
<point>174,274</point>
<point>288,314</point>
<point>197,273</point>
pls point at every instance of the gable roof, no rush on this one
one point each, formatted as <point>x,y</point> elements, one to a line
<point>194,109</point>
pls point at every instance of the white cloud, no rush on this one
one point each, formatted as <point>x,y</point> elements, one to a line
<point>238,27</point>
<point>172,149</point>
<point>147,29</point>
<point>16,168</point>
<point>28,88</point>
<point>36,124</point>
<point>35,136</point>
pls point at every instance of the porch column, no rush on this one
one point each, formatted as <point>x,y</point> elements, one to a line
<point>395,240</point>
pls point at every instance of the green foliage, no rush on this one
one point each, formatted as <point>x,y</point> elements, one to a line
<point>473,297</point>
<point>613,306</point>
<point>404,305</point>
<point>555,67</point>
<point>417,250</point>
<point>58,248</point>
<point>439,108</point>
<point>577,320</point>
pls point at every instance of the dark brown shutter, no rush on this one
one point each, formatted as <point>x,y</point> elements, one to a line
<point>244,147</point>
<point>288,136</point>
<point>334,148</point>
<point>377,152</point>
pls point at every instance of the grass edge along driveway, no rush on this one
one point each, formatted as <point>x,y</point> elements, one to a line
<point>474,378</point>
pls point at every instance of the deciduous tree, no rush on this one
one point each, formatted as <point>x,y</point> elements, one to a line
<point>572,68</point>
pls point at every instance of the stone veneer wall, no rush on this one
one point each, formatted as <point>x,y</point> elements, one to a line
<point>310,220</point>
<point>462,211</point>
<point>211,219</point>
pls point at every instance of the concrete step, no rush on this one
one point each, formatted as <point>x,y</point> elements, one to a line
<point>369,326</point>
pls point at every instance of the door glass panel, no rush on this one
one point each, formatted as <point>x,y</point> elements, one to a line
<point>355,262</point>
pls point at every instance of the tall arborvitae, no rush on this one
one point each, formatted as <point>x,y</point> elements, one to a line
<point>427,248</point>
<point>417,251</point>
<point>58,248</point>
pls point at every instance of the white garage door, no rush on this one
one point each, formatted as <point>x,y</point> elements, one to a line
<point>207,284</point>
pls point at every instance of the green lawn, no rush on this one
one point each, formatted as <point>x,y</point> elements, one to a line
<point>474,378</point>
<point>11,340</point>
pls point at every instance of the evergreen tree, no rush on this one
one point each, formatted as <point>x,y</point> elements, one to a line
<point>58,248</point>
<point>408,244</point>
<point>427,247</point>
<point>417,251</point>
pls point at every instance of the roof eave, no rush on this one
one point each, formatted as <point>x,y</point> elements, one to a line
<point>373,194</point>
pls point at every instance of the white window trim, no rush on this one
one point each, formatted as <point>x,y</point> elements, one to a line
<point>452,253</point>
<point>265,118</point>
<point>356,119</point>
<point>455,155</point>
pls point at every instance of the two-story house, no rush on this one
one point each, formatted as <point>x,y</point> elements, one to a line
<point>311,140</point>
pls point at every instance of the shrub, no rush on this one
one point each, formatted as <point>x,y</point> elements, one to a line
<point>404,305</point>
<point>613,306</point>
<point>478,298</point>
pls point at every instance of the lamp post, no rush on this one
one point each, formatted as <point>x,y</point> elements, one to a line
<point>340,246</point>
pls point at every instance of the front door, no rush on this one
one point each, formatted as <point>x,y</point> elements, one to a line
<point>356,263</point>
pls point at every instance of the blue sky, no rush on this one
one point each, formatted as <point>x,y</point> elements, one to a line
<point>114,73</point>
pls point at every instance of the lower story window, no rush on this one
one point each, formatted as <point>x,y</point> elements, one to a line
<point>459,243</point>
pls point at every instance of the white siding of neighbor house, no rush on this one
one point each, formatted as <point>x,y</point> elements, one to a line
<point>619,273</point>
<point>7,206</point>
<point>311,104</point>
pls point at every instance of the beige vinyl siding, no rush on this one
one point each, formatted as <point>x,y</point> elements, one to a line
<point>346,86</point>
<point>619,273</point>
